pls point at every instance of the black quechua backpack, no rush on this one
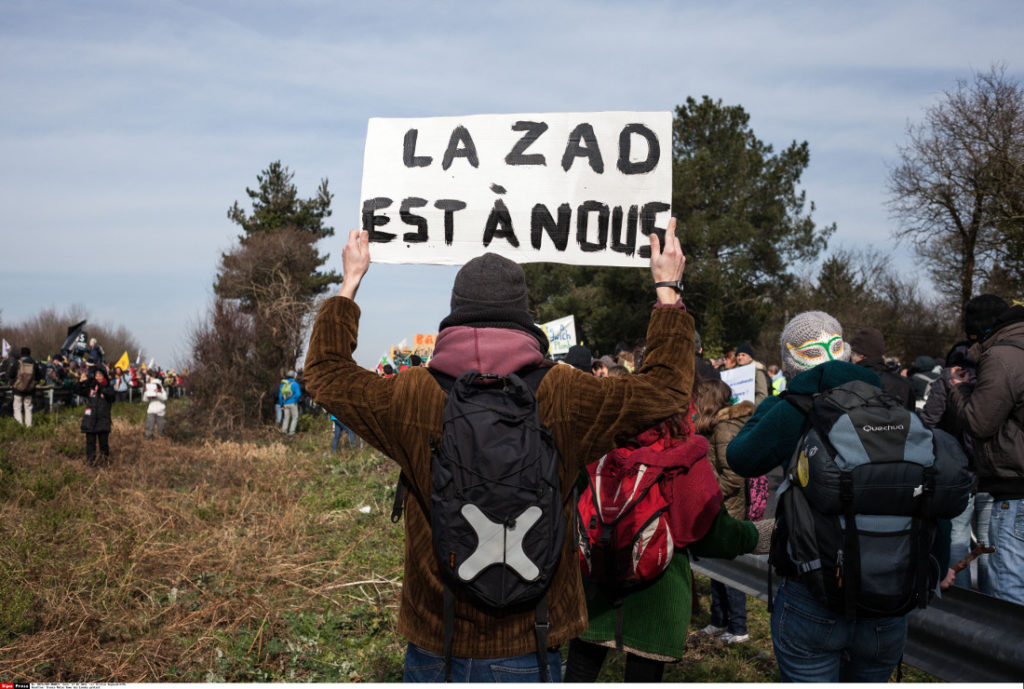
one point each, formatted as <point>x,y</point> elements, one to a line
<point>496,511</point>
<point>857,512</point>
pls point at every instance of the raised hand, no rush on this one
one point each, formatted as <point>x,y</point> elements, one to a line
<point>355,261</point>
<point>667,263</point>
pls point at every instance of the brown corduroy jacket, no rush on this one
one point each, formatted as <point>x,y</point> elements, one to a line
<point>586,415</point>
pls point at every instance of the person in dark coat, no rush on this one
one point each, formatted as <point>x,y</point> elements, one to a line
<point>939,413</point>
<point>991,410</point>
<point>704,368</point>
<point>96,419</point>
<point>922,375</point>
<point>867,348</point>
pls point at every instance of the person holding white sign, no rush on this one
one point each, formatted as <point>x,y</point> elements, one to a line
<point>762,383</point>
<point>491,330</point>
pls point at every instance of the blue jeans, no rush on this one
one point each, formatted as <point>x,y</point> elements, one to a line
<point>423,666</point>
<point>814,644</point>
<point>1006,565</point>
<point>982,524</point>
<point>728,608</point>
<point>975,518</point>
<point>339,427</point>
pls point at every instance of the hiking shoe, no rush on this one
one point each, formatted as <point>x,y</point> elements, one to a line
<point>712,630</point>
<point>729,638</point>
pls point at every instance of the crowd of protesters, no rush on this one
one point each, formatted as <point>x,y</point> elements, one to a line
<point>976,395</point>
<point>81,377</point>
<point>62,372</point>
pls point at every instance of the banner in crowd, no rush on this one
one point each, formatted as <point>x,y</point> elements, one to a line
<point>561,334</point>
<point>6,348</point>
<point>123,362</point>
<point>76,338</point>
<point>741,380</point>
<point>423,345</point>
<point>577,188</point>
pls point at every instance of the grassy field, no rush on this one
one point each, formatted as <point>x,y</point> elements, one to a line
<point>189,559</point>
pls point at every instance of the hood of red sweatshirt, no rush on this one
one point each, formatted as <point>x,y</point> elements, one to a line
<point>499,351</point>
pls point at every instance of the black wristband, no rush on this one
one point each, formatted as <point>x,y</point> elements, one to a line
<point>677,285</point>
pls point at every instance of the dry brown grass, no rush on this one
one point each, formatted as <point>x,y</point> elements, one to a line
<point>157,565</point>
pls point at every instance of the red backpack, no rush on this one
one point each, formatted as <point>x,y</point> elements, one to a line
<point>641,503</point>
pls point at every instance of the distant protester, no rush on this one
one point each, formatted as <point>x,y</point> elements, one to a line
<point>579,357</point>
<point>96,421</point>
<point>867,349</point>
<point>762,381</point>
<point>120,384</point>
<point>23,374</point>
<point>156,413</point>
<point>95,351</point>
<point>288,397</point>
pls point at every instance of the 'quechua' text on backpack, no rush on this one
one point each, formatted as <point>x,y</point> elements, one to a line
<point>496,510</point>
<point>857,511</point>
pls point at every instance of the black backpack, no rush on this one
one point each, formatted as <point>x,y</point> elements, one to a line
<point>496,510</point>
<point>857,511</point>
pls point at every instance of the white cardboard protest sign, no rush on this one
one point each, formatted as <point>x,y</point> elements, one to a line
<point>561,334</point>
<point>577,188</point>
<point>741,380</point>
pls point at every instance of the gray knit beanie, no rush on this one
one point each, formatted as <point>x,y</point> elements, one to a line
<point>809,339</point>
<point>490,292</point>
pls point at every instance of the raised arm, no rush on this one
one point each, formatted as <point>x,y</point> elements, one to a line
<point>355,261</point>
<point>590,415</point>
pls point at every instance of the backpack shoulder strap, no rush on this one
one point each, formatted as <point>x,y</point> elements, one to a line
<point>443,379</point>
<point>531,376</point>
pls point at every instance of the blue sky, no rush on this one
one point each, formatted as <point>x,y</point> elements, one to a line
<point>127,129</point>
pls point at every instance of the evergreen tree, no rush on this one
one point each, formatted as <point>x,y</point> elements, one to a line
<point>276,207</point>
<point>267,287</point>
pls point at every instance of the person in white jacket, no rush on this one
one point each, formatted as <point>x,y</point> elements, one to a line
<point>156,395</point>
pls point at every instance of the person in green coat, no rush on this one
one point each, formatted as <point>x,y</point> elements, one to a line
<point>654,619</point>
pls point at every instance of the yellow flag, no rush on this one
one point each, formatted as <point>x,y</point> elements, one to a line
<point>122,363</point>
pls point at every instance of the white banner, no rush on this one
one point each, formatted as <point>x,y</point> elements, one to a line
<point>578,188</point>
<point>561,334</point>
<point>741,380</point>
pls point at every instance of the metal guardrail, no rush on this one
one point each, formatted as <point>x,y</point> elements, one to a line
<point>963,637</point>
